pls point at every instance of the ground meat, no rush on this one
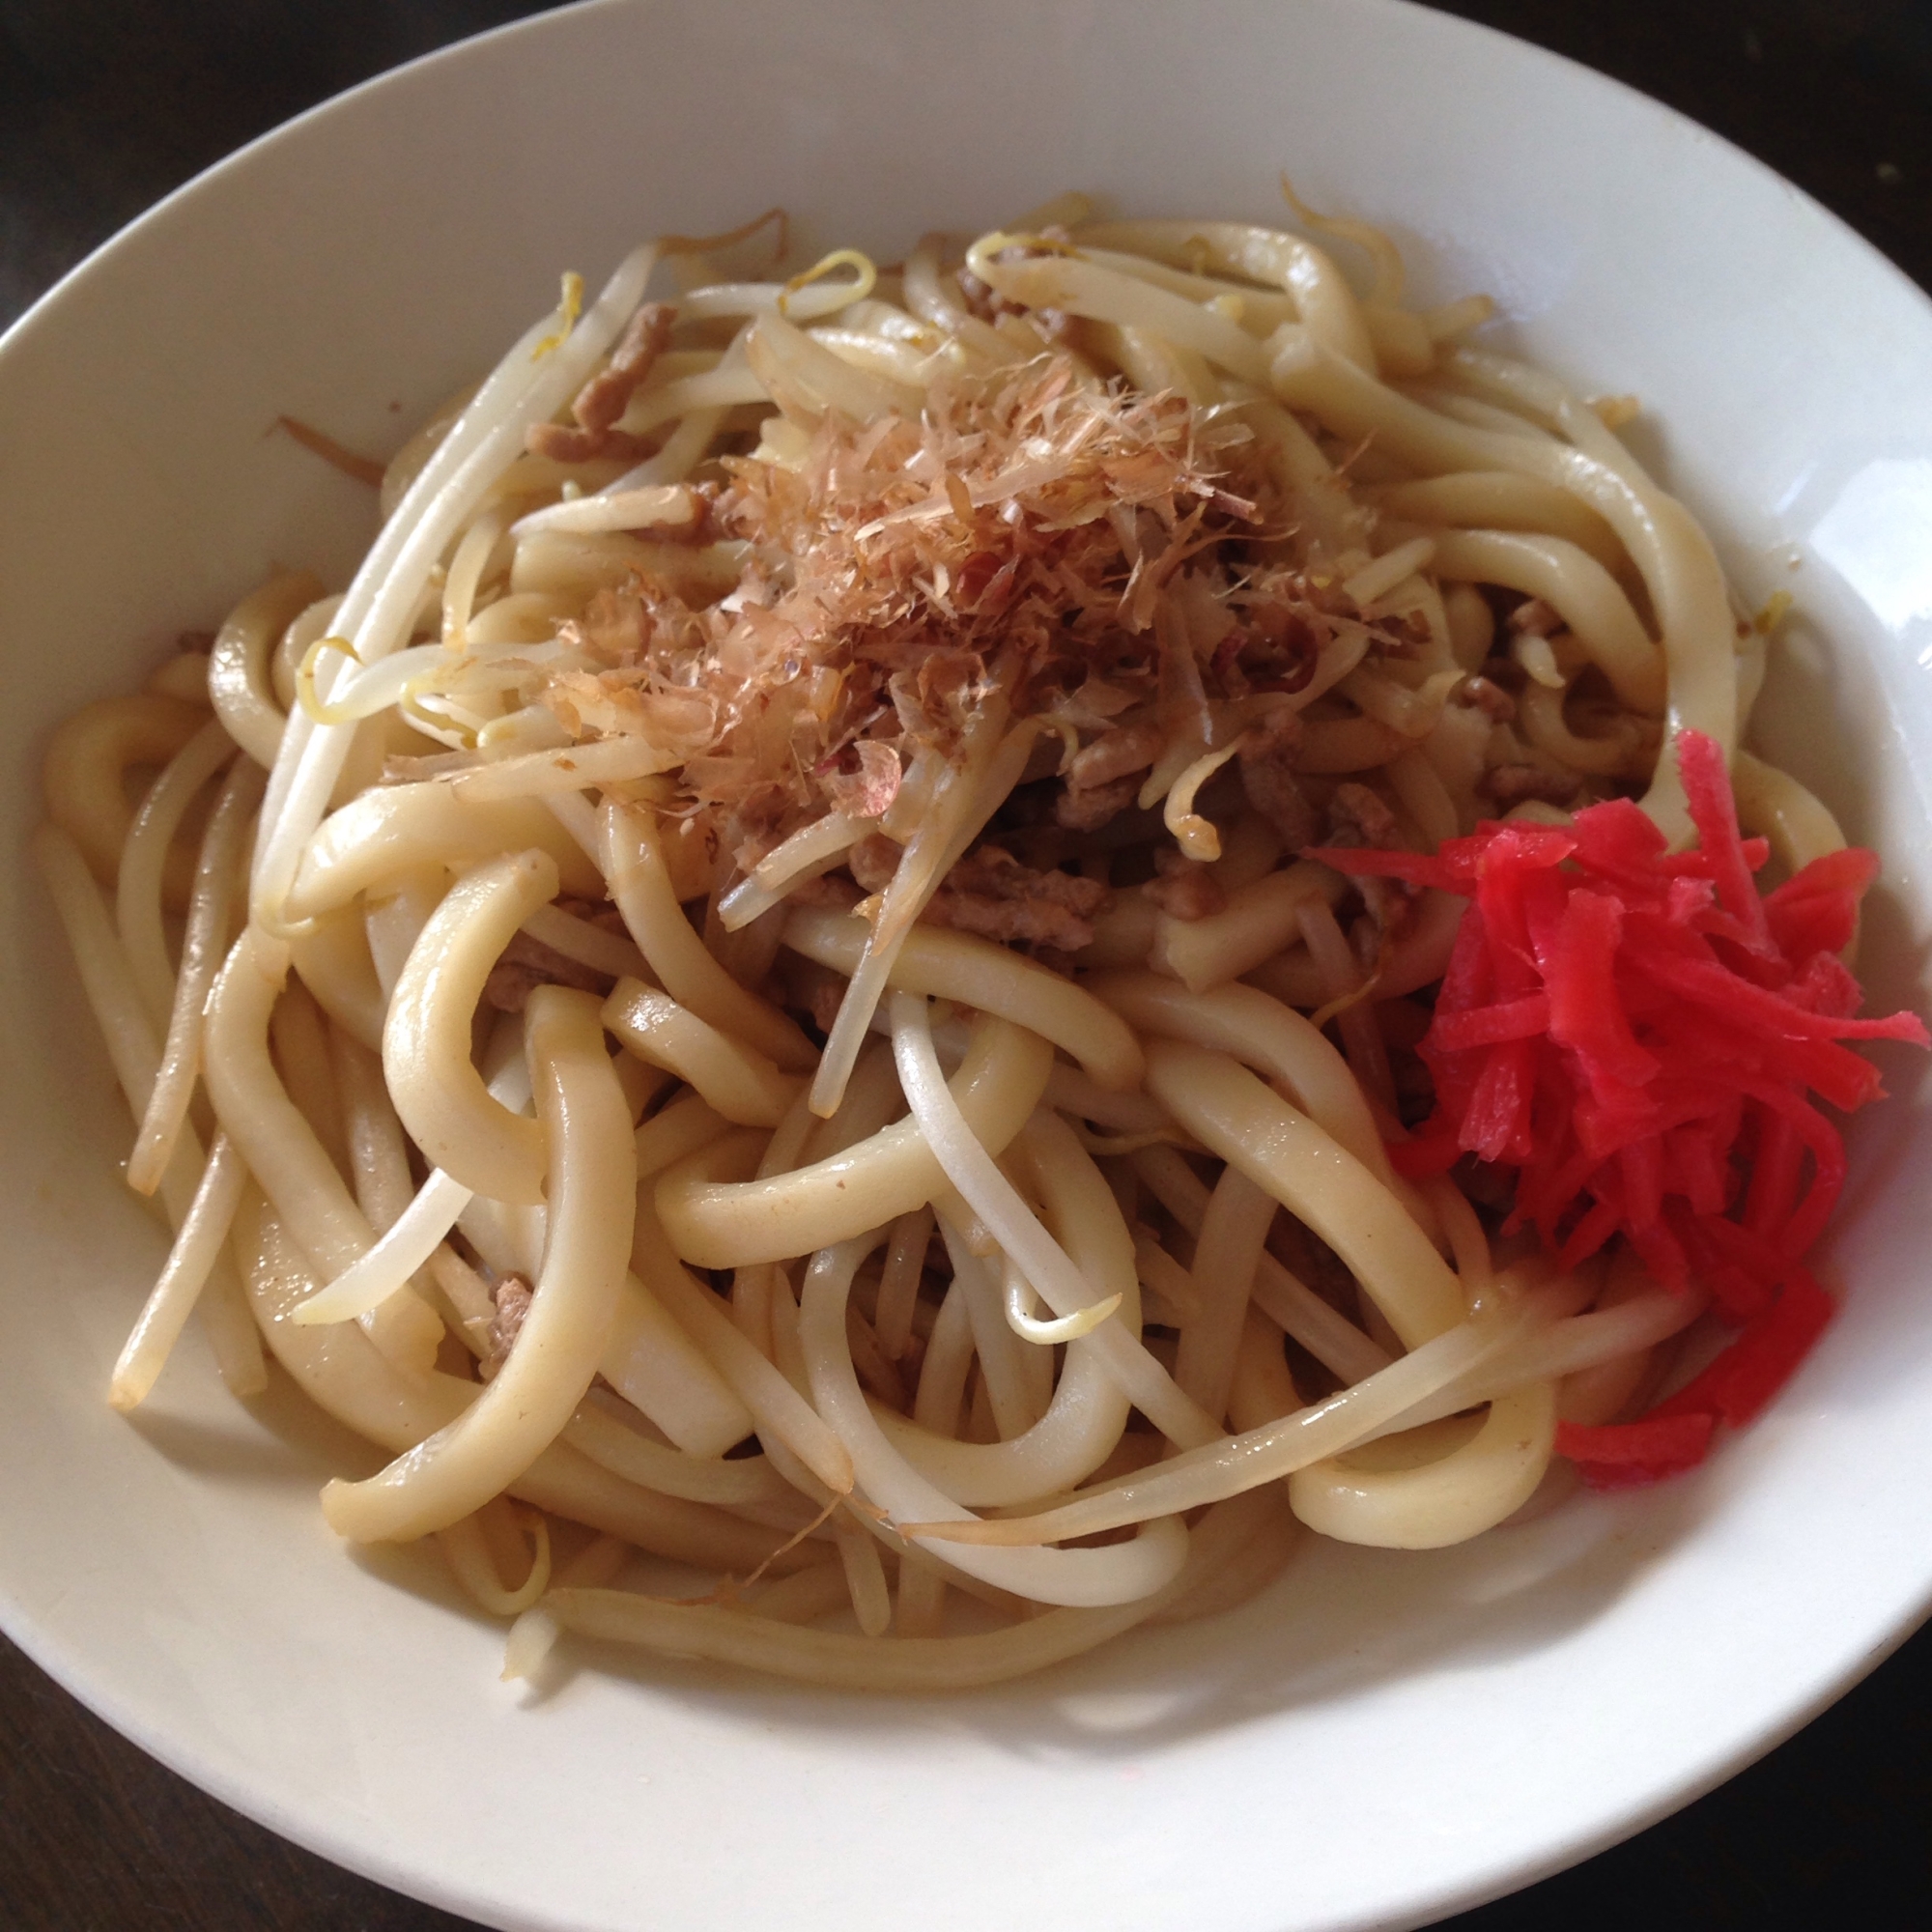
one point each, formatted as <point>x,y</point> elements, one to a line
<point>990,893</point>
<point>1489,698</point>
<point>1089,808</point>
<point>527,962</point>
<point>828,889</point>
<point>1505,786</point>
<point>873,861</point>
<point>602,399</point>
<point>1268,781</point>
<point>567,442</point>
<point>1184,889</point>
<point>1356,817</point>
<point>1113,754</point>
<point>512,1295</point>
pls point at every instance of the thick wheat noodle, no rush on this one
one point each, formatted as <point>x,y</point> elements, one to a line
<point>1257,922</point>
<point>466,1547</point>
<point>1330,1337</point>
<point>346,1375</point>
<point>1317,1180</point>
<point>1581,591</point>
<point>1002,1373</point>
<point>197,1248</point>
<point>899,1664</point>
<point>633,866</point>
<point>1325,303</point>
<point>1538,710</point>
<point>1233,1464</point>
<point>393,830</point>
<point>1261,311</point>
<point>1259,1031</point>
<point>1119,1573</point>
<point>116,1006</point>
<point>332,956</point>
<point>239,683</point>
<point>528,385</point>
<point>671,1471</point>
<point>969,1166</point>
<point>1773,803</point>
<point>83,774</point>
<point>1497,499</point>
<point>906,1246</point>
<point>377,1147</point>
<point>992,979</point>
<point>137,881</point>
<point>1459,1495</point>
<point>593,1177</point>
<point>1088,1409</point>
<point>1264,1389</point>
<point>773,1405</point>
<point>1678,568</point>
<point>675,1132</point>
<point>204,945</point>
<point>1227,1251</point>
<point>649,1359</point>
<point>426,1038</point>
<point>417,1229</point>
<point>740,1082</point>
<point>1416,959</point>
<point>731,1224</point>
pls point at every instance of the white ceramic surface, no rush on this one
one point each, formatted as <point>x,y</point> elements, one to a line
<point>1383,1738</point>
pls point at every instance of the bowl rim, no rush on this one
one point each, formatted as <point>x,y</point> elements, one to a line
<point>42,1642</point>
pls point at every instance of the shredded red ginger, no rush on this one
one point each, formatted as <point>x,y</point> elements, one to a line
<point>1638,1035</point>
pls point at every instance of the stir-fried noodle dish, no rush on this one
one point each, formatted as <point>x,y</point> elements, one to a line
<point>960,943</point>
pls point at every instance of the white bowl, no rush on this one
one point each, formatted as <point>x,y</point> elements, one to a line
<point>1383,1738</point>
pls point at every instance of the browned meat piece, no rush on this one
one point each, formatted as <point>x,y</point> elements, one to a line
<point>830,889</point>
<point>1357,816</point>
<point>1505,786</point>
<point>512,1295</point>
<point>1088,810</point>
<point>873,861</point>
<point>527,962</point>
<point>1489,698</point>
<point>990,893</point>
<point>1268,781</point>
<point>1128,748</point>
<point>567,442</point>
<point>602,399</point>
<point>1184,889</point>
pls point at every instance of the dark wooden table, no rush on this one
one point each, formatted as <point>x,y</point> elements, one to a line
<point>105,104</point>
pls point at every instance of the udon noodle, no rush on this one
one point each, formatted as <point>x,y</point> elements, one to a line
<point>746,994</point>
